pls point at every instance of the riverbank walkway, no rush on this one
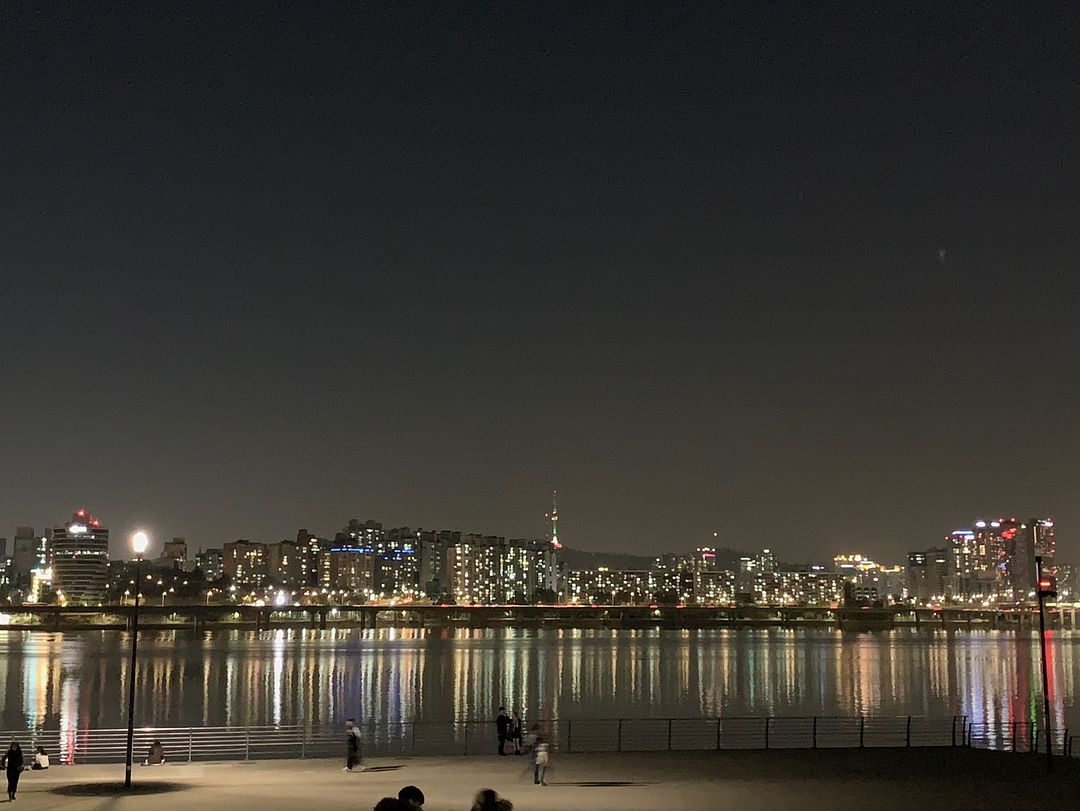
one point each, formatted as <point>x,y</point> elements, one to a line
<point>881,779</point>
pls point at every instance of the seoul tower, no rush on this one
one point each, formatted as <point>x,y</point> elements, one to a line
<point>555,520</point>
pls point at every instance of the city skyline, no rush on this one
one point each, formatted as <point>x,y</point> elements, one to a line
<point>120,547</point>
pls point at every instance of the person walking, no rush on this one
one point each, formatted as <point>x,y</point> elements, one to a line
<point>352,756</point>
<point>13,765</point>
<point>540,761</point>
<point>516,732</point>
<point>502,726</point>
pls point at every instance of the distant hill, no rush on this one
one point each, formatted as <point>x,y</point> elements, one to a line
<point>579,559</point>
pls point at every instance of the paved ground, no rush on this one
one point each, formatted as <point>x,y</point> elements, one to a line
<point>878,779</point>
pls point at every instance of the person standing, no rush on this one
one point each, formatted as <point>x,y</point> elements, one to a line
<point>502,726</point>
<point>13,765</point>
<point>516,732</point>
<point>352,756</point>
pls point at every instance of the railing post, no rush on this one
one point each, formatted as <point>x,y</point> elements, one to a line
<point>303,742</point>
<point>618,743</point>
<point>247,742</point>
<point>907,733</point>
<point>767,719</point>
<point>862,729</point>
<point>813,733</point>
<point>412,746</point>
<point>719,723</point>
<point>669,734</point>
<point>466,737</point>
<point>190,742</point>
<point>953,732</point>
<point>569,734</point>
<point>1012,738</point>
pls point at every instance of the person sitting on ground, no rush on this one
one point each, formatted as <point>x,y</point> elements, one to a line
<point>156,755</point>
<point>413,796</point>
<point>41,759</point>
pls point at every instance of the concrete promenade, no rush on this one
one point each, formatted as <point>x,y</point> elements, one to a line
<point>870,778</point>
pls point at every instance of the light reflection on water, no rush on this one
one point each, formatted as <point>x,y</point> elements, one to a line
<point>76,681</point>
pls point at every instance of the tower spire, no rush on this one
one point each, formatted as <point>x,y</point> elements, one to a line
<point>555,519</point>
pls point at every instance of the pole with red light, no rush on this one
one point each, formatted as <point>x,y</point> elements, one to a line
<point>1047,591</point>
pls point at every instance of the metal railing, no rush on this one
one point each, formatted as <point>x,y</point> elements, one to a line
<point>811,732</point>
<point>187,744</point>
<point>1017,736</point>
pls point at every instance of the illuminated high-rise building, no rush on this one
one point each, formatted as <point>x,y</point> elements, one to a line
<point>1018,562</point>
<point>211,563</point>
<point>1044,544</point>
<point>175,551</point>
<point>313,548</point>
<point>488,569</point>
<point>397,564</point>
<point>245,562</point>
<point>348,569</point>
<point>28,552</point>
<point>285,563</point>
<point>705,559</point>
<point>80,560</point>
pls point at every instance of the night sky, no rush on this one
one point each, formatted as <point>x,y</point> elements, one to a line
<point>805,275</point>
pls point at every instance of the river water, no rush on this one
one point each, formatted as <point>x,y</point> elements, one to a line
<point>78,680</point>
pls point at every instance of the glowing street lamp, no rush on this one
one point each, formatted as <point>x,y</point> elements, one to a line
<point>139,542</point>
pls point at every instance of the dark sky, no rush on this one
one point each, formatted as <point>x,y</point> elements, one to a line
<point>802,274</point>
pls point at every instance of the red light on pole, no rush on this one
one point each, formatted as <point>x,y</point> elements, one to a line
<point>1047,586</point>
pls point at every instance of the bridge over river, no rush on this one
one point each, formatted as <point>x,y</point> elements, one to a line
<point>210,616</point>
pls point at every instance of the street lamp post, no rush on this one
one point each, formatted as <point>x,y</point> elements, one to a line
<point>139,542</point>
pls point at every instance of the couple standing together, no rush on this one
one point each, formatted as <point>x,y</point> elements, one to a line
<point>509,729</point>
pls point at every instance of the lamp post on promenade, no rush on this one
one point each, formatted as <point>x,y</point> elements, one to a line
<point>139,542</point>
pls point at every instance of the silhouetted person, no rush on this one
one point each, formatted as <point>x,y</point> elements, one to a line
<point>487,799</point>
<point>13,765</point>
<point>413,796</point>
<point>41,759</point>
<point>392,804</point>
<point>502,726</point>
<point>352,751</point>
<point>156,755</point>
<point>516,732</point>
